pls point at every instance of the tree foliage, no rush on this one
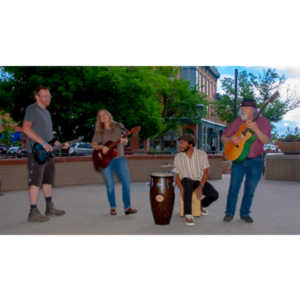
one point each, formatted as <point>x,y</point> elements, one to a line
<point>260,87</point>
<point>151,97</point>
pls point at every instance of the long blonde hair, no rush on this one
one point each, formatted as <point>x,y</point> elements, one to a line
<point>99,126</point>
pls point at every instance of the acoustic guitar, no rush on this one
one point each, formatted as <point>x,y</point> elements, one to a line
<point>41,155</point>
<point>239,152</point>
<point>102,163</point>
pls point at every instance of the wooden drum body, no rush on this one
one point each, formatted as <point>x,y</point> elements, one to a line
<point>162,197</point>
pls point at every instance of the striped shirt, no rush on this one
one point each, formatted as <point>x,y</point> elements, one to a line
<point>193,167</point>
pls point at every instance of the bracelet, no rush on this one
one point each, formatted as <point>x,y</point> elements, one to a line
<point>43,144</point>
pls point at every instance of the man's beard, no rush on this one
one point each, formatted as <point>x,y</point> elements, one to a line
<point>186,149</point>
<point>244,117</point>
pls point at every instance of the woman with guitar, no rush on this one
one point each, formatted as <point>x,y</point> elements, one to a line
<point>111,159</point>
<point>244,141</point>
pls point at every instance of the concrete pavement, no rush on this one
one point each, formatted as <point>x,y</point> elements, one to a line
<point>275,211</point>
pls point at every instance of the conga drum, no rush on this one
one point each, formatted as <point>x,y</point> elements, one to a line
<point>162,197</point>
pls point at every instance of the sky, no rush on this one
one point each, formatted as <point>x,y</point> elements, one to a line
<point>292,75</point>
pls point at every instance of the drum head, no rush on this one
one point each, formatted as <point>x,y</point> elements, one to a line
<point>162,174</point>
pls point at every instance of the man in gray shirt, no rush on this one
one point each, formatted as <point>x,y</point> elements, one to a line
<point>38,128</point>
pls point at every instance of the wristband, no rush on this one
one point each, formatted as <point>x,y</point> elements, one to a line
<point>43,144</point>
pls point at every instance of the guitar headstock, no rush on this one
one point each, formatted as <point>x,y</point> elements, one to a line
<point>134,130</point>
<point>274,96</point>
<point>79,139</point>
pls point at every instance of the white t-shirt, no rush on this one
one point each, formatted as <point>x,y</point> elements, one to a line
<point>193,167</point>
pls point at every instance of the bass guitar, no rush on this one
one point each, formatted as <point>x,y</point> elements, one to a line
<point>102,161</point>
<point>41,155</point>
<point>239,152</point>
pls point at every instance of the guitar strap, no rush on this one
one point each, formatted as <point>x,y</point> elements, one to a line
<point>122,127</point>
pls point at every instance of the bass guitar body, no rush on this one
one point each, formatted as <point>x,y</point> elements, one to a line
<point>102,163</point>
<point>40,154</point>
<point>239,152</point>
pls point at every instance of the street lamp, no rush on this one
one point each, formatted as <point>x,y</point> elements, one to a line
<point>199,108</point>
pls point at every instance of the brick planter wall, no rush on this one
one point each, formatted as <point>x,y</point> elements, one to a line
<point>79,170</point>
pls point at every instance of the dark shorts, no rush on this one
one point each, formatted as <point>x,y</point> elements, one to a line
<point>40,174</point>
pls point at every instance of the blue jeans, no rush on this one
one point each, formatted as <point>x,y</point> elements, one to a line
<point>251,168</point>
<point>120,166</point>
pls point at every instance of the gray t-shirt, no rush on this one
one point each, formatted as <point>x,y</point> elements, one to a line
<point>111,135</point>
<point>41,124</point>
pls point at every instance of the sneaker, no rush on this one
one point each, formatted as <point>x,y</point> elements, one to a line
<point>52,211</point>
<point>228,218</point>
<point>113,212</point>
<point>204,212</point>
<point>130,211</point>
<point>247,219</point>
<point>36,216</point>
<point>189,220</point>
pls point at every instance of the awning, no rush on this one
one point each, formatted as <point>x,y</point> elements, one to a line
<point>214,125</point>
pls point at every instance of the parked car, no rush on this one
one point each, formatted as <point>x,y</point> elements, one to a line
<point>81,149</point>
<point>13,150</point>
<point>3,149</point>
<point>22,153</point>
<point>269,148</point>
<point>17,151</point>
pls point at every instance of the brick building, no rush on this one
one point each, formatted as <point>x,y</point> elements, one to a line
<point>209,131</point>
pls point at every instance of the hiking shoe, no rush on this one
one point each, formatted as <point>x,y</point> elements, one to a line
<point>36,216</point>
<point>130,211</point>
<point>228,218</point>
<point>52,211</point>
<point>247,219</point>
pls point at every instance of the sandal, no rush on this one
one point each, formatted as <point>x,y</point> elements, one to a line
<point>113,212</point>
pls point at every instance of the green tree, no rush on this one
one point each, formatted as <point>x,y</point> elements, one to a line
<point>260,87</point>
<point>6,135</point>
<point>146,96</point>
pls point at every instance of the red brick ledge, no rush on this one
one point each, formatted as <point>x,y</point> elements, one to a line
<point>22,161</point>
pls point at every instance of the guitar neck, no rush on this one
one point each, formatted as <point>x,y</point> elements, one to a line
<point>258,115</point>
<point>114,144</point>
<point>70,142</point>
<point>272,98</point>
<point>261,111</point>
